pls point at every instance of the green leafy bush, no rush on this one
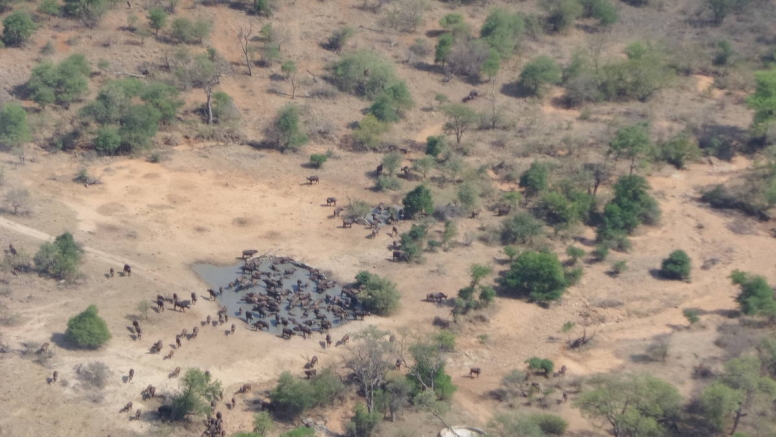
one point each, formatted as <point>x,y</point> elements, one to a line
<point>189,32</point>
<point>288,130</point>
<point>418,201</point>
<point>318,159</point>
<point>380,296</point>
<point>535,179</point>
<point>435,145</point>
<point>385,183</point>
<point>603,10</point>
<point>363,423</point>
<point>575,253</point>
<point>502,31</point>
<point>348,73</point>
<point>756,296</point>
<point>293,396</point>
<point>521,228</point>
<point>542,365</point>
<point>61,84</point>
<point>601,252</point>
<point>17,28</point>
<point>88,330</point>
<point>369,132</point>
<point>630,207</point>
<point>676,266</point>
<point>536,275</point>
<point>61,258</point>
<point>195,396</point>
<point>539,74</point>
<point>14,129</point>
<point>562,13</point>
<point>340,38</point>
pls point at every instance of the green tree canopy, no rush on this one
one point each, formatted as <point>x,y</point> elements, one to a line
<point>157,18</point>
<point>288,129</point>
<point>417,201</point>
<point>90,12</point>
<point>756,296</point>
<point>13,125</point>
<point>676,266</point>
<point>502,31</point>
<point>459,119</point>
<point>363,73</point>
<point>541,72</point>
<point>631,206</point>
<point>521,228</point>
<point>381,296</point>
<point>633,405</point>
<point>631,142</point>
<point>443,48</point>
<point>195,396</point>
<point>61,84</point>
<point>536,275</point>
<point>88,330</point>
<point>61,258</point>
<point>763,101</point>
<point>562,13</point>
<point>17,28</point>
<point>535,179</point>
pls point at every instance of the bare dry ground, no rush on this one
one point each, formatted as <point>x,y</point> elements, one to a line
<point>206,202</point>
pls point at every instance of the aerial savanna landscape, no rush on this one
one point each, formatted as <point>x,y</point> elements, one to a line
<point>388,218</point>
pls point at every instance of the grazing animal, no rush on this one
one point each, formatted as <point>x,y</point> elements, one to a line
<point>398,363</point>
<point>131,375</point>
<point>150,391</point>
<point>347,223</point>
<point>137,414</point>
<point>475,214</point>
<point>12,249</point>
<point>111,272</point>
<point>193,297</point>
<point>169,355</point>
<point>474,371</point>
<point>337,211</point>
<point>379,170</point>
<point>136,324</point>
<point>331,201</point>
<point>375,231</point>
<point>249,253</point>
<point>208,320</point>
<point>345,339</point>
<point>398,255</point>
<point>126,407</point>
<point>54,377</point>
<point>245,388</point>
<point>194,332</point>
<point>178,341</point>
<point>314,361</point>
<point>328,340</point>
<point>43,348</point>
<point>503,210</point>
<point>288,333</point>
<point>160,304</point>
<point>395,231</point>
<point>310,373</point>
<point>313,179</point>
<point>127,270</point>
<point>565,397</point>
<point>234,328</point>
<point>234,402</point>
<point>184,333</point>
<point>176,372</point>
<point>182,304</point>
<point>139,333</point>
<point>157,347</point>
<point>406,170</point>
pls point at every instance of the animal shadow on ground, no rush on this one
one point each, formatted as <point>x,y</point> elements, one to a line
<point>49,380</point>
<point>125,379</point>
<point>61,340</point>
<point>323,344</point>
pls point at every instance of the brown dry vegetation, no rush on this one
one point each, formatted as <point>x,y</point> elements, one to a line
<point>207,200</point>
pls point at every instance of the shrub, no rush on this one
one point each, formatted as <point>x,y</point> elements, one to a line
<point>575,253</point>
<point>533,425</point>
<point>541,365</point>
<point>196,394</point>
<point>756,296</point>
<point>288,130</point>
<point>619,267</point>
<point>676,266</point>
<point>562,13</point>
<point>435,145</point>
<point>95,374</point>
<point>189,32</point>
<point>418,201</point>
<point>90,12</point>
<point>317,159</point>
<point>363,423</point>
<point>61,84</point>
<point>357,209</point>
<point>520,229</point>
<point>369,132</point>
<point>88,330</point>
<point>538,74</point>
<point>348,73</point>
<point>691,315</point>
<point>17,28</point>
<point>446,340</point>
<point>443,48</point>
<point>391,162</point>
<point>50,8</point>
<point>384,183</point>
<point>380,296</point>
<point>13,125</point>
<point>157,18</point>
<point>291,397</point>
<point>301,431</point>
<point>631,142</point>
<point>638,77</point>
<point>679,149</point>
<point>603,10</point>
<point>534,180</point>
<point>264,7</point>
<point>107,140</point>
<point>339,38</point>
<point>763,102</point>
<point>262,423</point>
<point>630,207</point>
<point>60,258</point>
<point>502,31</point>
<point>538,276</point>
<point>327,387</point>
<point>601,252</point>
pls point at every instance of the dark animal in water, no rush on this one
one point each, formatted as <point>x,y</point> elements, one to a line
<point>313,179</point>
<point>131,375</point>
<point>474,371</point>
<point>249,253</point>
<point>310,373</point>
<point>259,325</point>
<point>288,333</point>
<point>212,293</point>
<point>127,270</point>
<point>126,407</point>
<point>331,201</point>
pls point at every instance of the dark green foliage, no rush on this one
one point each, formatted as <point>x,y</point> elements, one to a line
<point>412,242</point>
<point>189,32</point>
<point>317,159</point>
<point>61,84</point>
<point>428,371</point>
<point>630,207</point>
<point>291,397</point>
<point>288,131</point>
<point>638,77</point>
<point>17,28</point>
<point>382,110</point>
<point>535,179</point>
<point>87,330</point>
<point>520,229</point>
<point>340,37</point>
<point>265,8</point>
<point>196,394</point>
<point>502,31</point>
<point>363,423</point>
<point>362,277</point>
<point>50,8</point>
<point>756,296</point>
<point>435,145</point>
<point>90,12</point>
<point>763,101</point>
<point>157,19</point>
<point>380,296</point>
<point>348,73</point>
<point>418,201</point>
<point>542,365</point>
<point>13,125</point>
<point>680,149</point>
<point>562,13</point>
<point>107,140</point>
<point>535,275</point>
<point>443,48</point>
<point>601,252</point>
<point>603,10</point>
<point>301,431</point>
<point>723,53</point>
<point>676,266</point>
<point>61,258</point>
<point>564,207</point>
<point>631,142</point>
<point>532,425</point>
<point>537,75</point>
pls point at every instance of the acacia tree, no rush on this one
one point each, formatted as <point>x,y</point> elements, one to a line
<point>459,119</point>
<point>244,38</point>
<point>289,69</point>
<point>632,142</point>
<point>370,360</point>
<point>17,198</point>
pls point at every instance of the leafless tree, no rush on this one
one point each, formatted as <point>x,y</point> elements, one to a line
<point>17,198</point>
<point>372,355</point>
<point>467,57</point>
<point>244,38</point>
<point>597,45</point>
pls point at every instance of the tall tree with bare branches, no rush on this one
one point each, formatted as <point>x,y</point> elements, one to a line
<point>244,38</point>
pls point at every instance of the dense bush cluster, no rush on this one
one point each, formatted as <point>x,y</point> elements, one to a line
<point>87,330</point>
<point>380,295</point>
<point>61,258</point>
<point>60,84</point>
<point>630,207</point>
<point>292,396</point>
